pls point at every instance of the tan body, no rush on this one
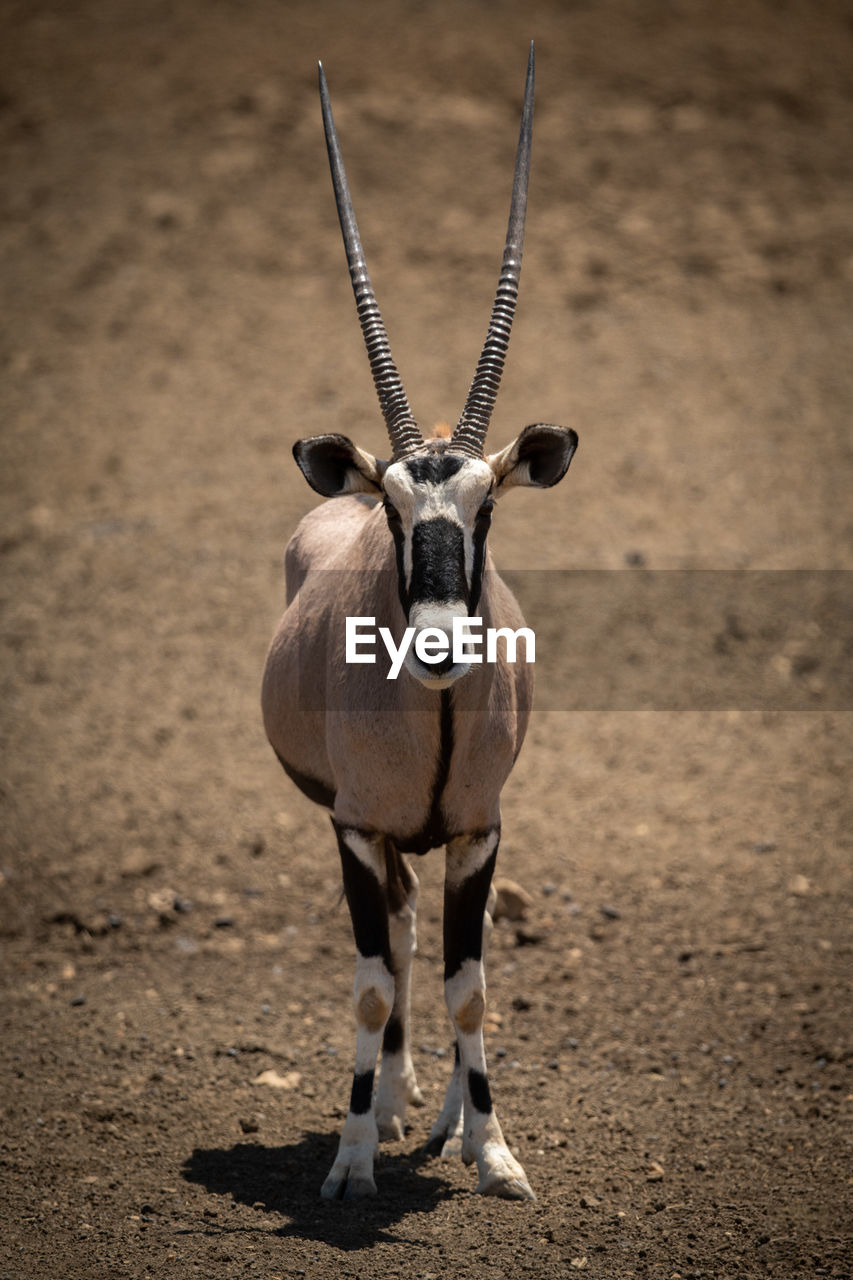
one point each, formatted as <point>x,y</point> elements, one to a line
<point>375,743</point>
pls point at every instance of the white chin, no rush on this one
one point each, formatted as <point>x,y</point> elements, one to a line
<point>431,679</point>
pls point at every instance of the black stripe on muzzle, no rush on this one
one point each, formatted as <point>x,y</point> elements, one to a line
<point>438,562</point>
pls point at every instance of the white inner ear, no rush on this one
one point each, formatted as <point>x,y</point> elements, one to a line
<point>506,469</point>
<point>367,467</point>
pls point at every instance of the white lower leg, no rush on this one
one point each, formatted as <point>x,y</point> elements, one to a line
<point>482,1139</point>
<point>397,1083</point>
<point>351,1176</point>
<point>445,1136</point>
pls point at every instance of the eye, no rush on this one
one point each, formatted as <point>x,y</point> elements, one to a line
<point>486,509</point>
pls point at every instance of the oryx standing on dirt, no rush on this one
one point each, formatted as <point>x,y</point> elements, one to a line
<point>409,764</point>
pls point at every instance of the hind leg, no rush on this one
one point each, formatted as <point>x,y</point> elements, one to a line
<point>397,1084</point>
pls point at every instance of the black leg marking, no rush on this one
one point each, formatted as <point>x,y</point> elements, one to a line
<point>392,1040</point>
<point>464,909</point>
<point>478,1087</point>
<point>367,905</point>
<point>361,1099</point>
<point>398,879</point>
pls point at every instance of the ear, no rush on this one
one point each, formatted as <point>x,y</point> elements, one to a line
<point>540,456</point>
<point>333,465</point>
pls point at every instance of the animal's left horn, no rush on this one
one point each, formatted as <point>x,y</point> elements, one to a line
<point>393,401</point>
<point>470,433</point>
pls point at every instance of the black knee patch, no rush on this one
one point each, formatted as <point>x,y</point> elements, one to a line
<point>478,1087</point>
<point>464,910</point>
<point>392,1040</point>
<point>361,1098</point>
<point>368,907</point>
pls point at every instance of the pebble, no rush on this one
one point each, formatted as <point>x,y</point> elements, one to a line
<point>512,901</point>
<point>273,1080</point>
<point>139,862</point>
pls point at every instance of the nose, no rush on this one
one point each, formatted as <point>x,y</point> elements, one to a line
<point>444,665</point>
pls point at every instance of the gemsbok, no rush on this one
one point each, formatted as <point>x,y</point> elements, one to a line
<point>409,764</point>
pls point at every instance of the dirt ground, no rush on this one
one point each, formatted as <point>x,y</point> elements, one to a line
<point>669,1027</point>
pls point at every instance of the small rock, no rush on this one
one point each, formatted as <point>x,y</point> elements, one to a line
<point>139,862</point>
<point>275,1081</point>
<point>162,900</point>
<point>800,886</point>
<point>249,1124</point>
<point>655,1172</point>
<point>512,902</point>
<point>611,913</point>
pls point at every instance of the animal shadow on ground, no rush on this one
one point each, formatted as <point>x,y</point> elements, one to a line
<point>287,1180</point>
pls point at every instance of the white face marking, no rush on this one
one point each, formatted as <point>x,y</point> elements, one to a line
<point>457,498</point>
<point>458,495</point>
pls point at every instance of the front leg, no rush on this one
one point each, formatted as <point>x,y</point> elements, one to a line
<point>364,876</point>
<point>447,1132</point>
<point>470,864</point>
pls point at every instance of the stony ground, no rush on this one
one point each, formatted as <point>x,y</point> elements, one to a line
<point>669,1026</point>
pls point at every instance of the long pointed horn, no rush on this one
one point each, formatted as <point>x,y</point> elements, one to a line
<point>399,420</point>
<point>470,433</point>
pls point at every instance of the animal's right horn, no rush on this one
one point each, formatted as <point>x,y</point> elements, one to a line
<point>402,428</point>
<point>470,432</point>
